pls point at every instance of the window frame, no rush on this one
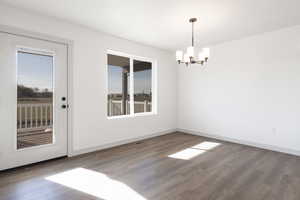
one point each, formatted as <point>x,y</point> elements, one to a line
<point>131,81</point>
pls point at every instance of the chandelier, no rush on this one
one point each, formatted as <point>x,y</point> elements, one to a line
<point>189,57</point>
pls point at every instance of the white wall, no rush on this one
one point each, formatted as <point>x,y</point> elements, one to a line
<point>91,128</point>
<point>250,91</point>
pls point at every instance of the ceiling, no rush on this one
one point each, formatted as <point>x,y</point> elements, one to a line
<point>164,23</point>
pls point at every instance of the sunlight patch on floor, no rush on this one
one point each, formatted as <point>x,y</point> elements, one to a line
<point>206,145</point>
<point>95,184</point>
<point>194,151</point>
<point>186,154</point>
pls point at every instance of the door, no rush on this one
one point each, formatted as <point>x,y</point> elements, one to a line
<point>33,100</point>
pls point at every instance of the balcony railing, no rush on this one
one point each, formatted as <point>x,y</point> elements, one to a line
<point>115,107</point>
<point>34,117</point>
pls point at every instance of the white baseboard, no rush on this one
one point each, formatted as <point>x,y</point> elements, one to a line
<point>243,142</point>
<point>114,144</point>
<point>228,139</point>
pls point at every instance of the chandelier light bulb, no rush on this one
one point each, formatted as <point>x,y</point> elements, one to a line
<point>206,52</point>
<point>190,51</point>
<point>201,56</point>
<point>186,58</point>
<point>179,55</point>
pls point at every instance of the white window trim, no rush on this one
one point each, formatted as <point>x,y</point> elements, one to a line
<point>131,79</point>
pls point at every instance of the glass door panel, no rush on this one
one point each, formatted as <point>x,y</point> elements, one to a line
<point>34,99</point>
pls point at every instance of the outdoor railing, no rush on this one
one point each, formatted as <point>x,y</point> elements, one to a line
<point>115,107</point>
<point>34,117</point>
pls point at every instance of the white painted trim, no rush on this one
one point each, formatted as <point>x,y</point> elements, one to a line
<point>70,101</point>
<point>154,87</point>
<point>144,114</point>
<point>122,142</point>
<point>122,54</point>
<point>29,34</point>
<point>44,52</point>
<point>131,86</point>
<point>69,43</point>
<point>243,142</point>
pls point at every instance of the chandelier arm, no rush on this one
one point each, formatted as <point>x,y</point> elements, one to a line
<point>195,61</point>
<point>200,62</point>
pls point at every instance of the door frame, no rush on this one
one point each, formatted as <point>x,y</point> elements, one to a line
<point>69,44</point>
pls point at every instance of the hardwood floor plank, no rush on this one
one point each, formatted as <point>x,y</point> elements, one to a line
<point>227,172</point>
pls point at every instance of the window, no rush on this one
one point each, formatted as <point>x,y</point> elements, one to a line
<point>130,85</point>
<point>142,86</point>
<point>118,85</point>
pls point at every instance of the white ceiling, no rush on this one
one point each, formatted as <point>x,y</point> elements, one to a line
<point>164,23</point>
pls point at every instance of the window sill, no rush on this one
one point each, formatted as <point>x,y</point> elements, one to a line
<point>132,116</point>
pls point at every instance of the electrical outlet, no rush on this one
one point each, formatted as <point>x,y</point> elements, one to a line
<point>274,131</point>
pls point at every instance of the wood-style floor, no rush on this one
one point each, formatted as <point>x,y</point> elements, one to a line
<point>145,172</point>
